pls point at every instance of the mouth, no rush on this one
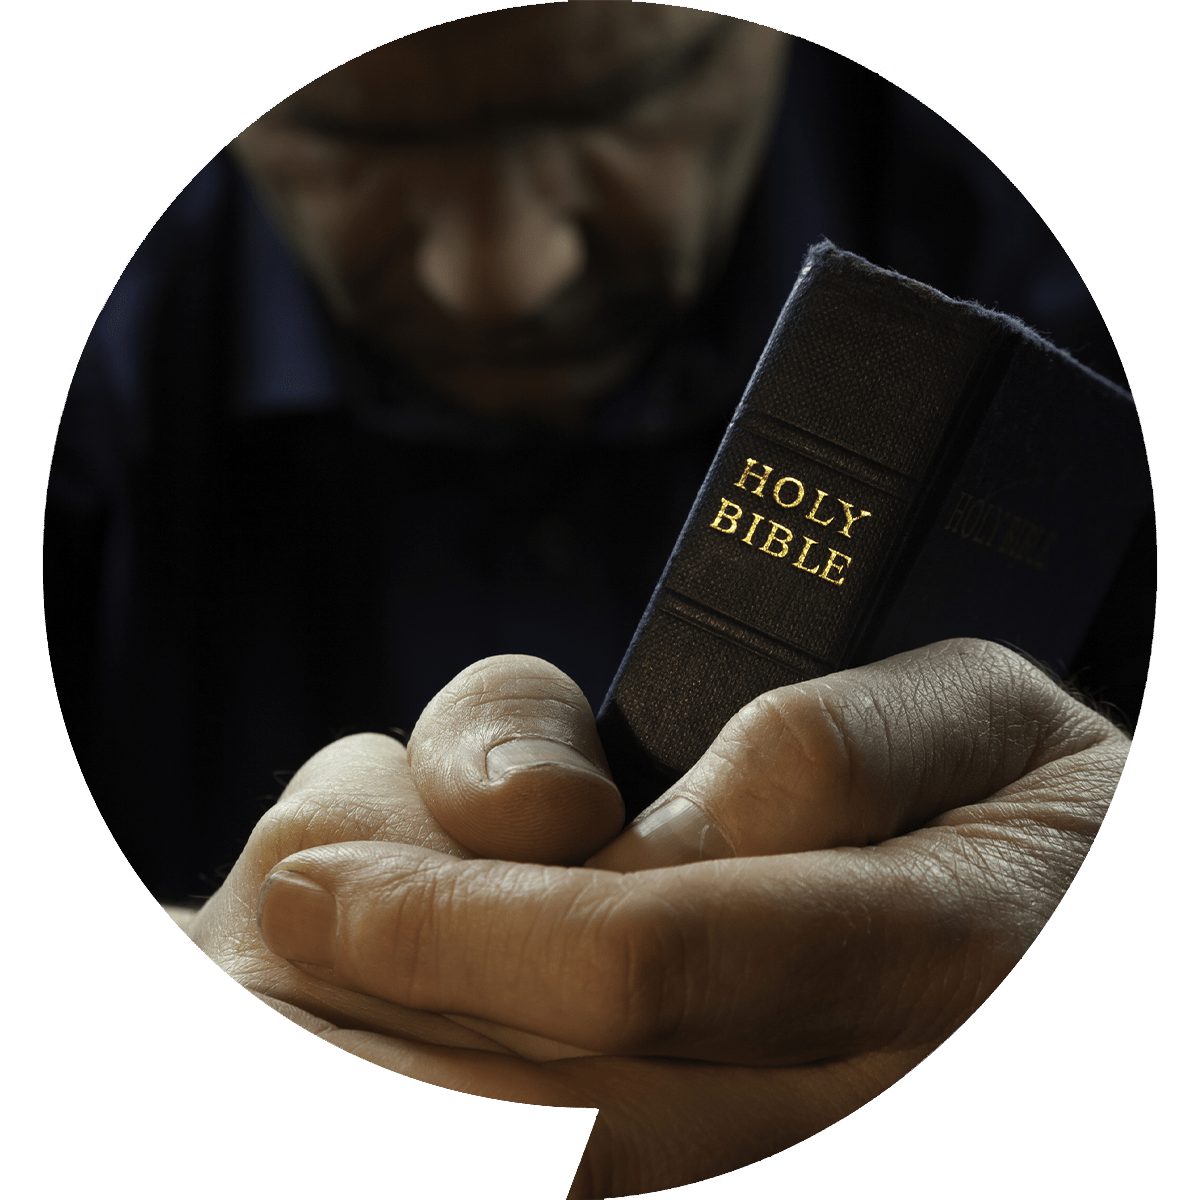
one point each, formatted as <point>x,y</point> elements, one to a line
<point>591,321</point>
<point>549,366</point>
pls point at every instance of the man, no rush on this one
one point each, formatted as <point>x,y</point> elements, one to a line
<point>289,504</point>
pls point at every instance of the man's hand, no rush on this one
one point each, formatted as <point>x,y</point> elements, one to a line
<point>362,789</point>
<point>357,788</point>
<point>914,822</point>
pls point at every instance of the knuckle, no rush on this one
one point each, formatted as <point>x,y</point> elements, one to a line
<point>309,817</point>
<point>498,698</point>
<point>504,677</point>
<point>391,934</point>
<point>645,961</point>
<point>355,751</point>
<point>283,829</point>
<point>811,730</point>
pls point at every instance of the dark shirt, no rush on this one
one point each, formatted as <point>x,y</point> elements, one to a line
<point>260,535</point>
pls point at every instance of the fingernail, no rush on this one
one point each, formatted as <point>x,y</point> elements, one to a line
<point>679,832</point>
<point>523,753</point>
<point>297,919</point>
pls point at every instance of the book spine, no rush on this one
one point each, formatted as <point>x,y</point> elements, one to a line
<point>804,512</point>
<point>770,584</point>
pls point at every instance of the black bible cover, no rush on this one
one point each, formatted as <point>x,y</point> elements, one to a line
<point>902,468</point>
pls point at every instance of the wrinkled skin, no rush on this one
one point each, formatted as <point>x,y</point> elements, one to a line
<point>835,887</point>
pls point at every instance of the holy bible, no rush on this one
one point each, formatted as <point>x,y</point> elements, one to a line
<point>902,468</point>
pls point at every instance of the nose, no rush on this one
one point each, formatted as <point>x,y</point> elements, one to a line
<point>496,248</point>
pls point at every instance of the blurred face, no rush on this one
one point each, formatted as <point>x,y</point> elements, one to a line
<point>517,205</point>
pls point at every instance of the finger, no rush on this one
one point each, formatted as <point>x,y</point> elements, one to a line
<point>318,1009</point>
<point>507,759</point>
<point>859,756</point>
<point>357,788</point>
<point>747,960</point>
<point>778,959</point>
<point>361,788</point>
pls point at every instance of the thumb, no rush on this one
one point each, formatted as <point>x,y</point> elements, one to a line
<point>860,756</point>
<point>508,762</point>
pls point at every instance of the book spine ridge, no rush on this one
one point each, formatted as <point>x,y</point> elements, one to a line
<point>823,452</point>
<point>720,624</point>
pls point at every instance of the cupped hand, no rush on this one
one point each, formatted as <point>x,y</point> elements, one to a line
<point>362,789</point>
<point>910,826</point>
